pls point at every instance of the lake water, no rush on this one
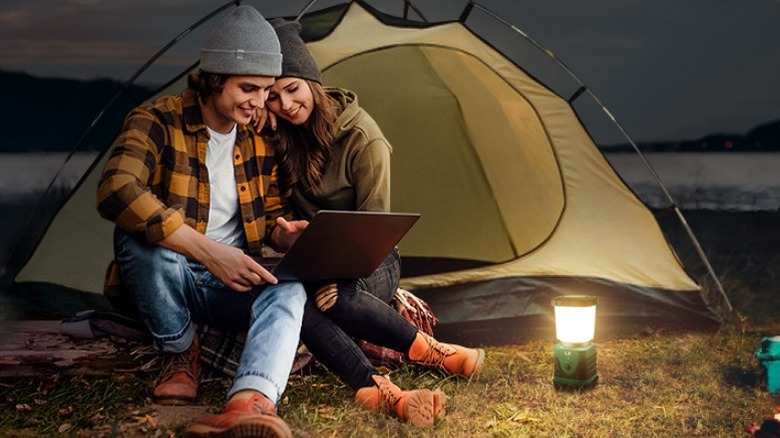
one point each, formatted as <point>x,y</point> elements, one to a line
<point>711,181</point>
<point>716,181</point>
<point>728,181</point>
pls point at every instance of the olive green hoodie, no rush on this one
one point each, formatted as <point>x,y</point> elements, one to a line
<point>357,175</point>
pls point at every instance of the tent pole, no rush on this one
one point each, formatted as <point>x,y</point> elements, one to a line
<point>657,179</point>
<point>466,12</point>
<point>703,256</point>
<point>305,9</point>
<point>408,4</point>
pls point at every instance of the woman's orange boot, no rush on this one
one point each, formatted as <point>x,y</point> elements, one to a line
<point>420,407</point>
<point>450,358</point>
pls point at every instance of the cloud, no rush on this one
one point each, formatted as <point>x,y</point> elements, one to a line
<point>13,17</point>
<point>17,17</point>
<point>98,37</point>
<point>61,50</point>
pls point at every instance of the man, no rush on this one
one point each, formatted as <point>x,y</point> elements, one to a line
<point>192,190</point>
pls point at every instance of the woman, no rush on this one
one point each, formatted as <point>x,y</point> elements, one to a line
<point>332,155</point>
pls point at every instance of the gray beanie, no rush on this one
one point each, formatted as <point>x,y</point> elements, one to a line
<point>242,43</point>
<point>297,60</point>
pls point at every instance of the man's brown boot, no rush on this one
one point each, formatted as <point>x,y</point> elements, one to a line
<point>421,407</point>
<point>178,384</point>
<point>243,417</point>
<point>450,358</point>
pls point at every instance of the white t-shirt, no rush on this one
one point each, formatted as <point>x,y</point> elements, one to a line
<point>224,216</point>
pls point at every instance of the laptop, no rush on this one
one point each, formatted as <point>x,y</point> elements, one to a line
<point>341,244</point>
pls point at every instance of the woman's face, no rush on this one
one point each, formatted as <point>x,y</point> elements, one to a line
<point>291,99</point>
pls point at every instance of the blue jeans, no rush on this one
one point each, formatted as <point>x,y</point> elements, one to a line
<point>361,310</point>
<point>173,291</point>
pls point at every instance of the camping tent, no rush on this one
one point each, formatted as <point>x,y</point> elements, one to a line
<point>518,205</point>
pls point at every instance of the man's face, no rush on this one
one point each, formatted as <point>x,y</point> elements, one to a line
<point>239,99</point>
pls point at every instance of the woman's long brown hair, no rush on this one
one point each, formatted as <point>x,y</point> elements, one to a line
<point>303,151</point>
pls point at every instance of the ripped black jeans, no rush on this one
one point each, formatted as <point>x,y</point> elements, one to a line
<point>357,309</point>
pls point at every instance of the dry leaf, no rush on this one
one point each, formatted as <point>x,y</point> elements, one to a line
<point>146,419</point>
<point>523,417</point>
<point>152,422</point>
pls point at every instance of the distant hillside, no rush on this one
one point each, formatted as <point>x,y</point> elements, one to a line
<point>763,138</point>
<point>52,114</point>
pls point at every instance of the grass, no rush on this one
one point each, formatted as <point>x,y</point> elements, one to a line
<point>45,406</point>
<point>654,383</point>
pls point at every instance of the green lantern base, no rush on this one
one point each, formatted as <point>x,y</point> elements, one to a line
<point>575,365</point>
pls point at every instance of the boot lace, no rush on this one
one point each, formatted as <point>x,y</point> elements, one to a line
<point>389,397</point>
<point>261,405</point>
<point>435,354</point>
<point>179,363</point>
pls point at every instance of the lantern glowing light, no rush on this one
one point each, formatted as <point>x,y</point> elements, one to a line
<point>575,352</point>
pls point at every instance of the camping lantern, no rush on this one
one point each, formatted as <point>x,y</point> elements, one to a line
<point>575,352</point>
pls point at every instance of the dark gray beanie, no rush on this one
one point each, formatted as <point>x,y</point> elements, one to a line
<point>242,43</point>
<point>297,60</point>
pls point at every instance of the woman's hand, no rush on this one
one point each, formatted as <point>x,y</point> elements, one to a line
<point>263,118</point>
<point>287,232</point>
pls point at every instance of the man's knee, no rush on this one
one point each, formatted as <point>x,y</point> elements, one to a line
<point>326,296</point>
<point>290,297</point>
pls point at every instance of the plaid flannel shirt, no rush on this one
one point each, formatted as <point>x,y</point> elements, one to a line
<point>156,179</point>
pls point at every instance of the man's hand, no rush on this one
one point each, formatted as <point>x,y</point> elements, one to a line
<point>237,270</point>
<point>228,264</point>
<point>287,232</point>
<point>263,118</point>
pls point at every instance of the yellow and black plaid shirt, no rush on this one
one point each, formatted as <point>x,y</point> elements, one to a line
<point>156,179</point>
